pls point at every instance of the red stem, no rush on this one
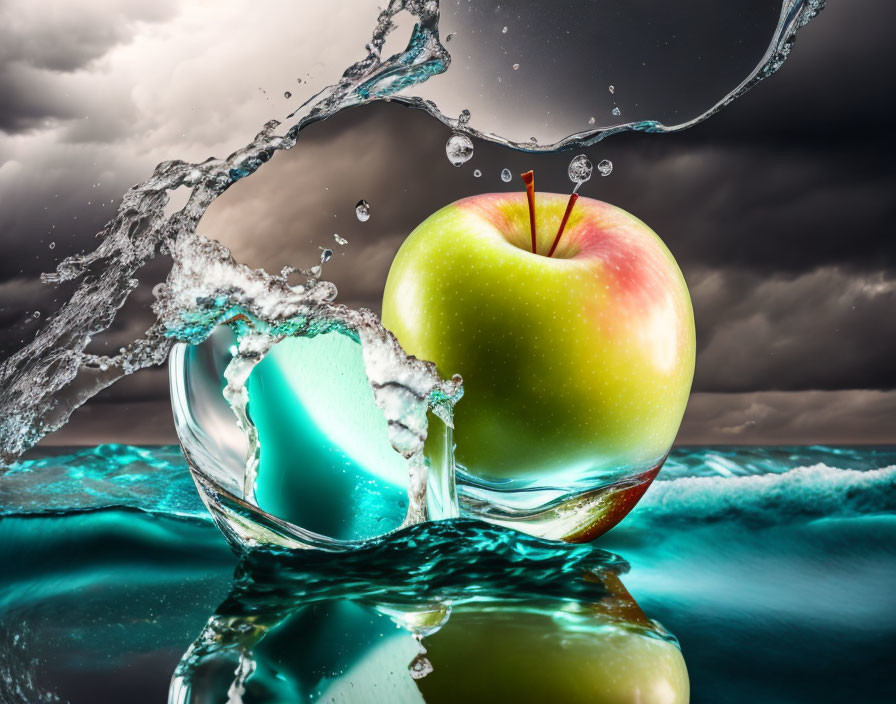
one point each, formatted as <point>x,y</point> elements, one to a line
<point>572,201</point>
<point>529,180</point>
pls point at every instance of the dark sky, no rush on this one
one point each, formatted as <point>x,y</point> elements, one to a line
<point>779,210</point>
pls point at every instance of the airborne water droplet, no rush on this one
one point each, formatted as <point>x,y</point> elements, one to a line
<point>580,169</point>
<point>516,67</point>
<point>612,89</point>
<point>464,117</point>
<point>590,120</point>
<point>52,245</point>
<point>605,167</point>
<point>287,95</point>
<point>477,173</point>
<point>362,210</point>
<point>459,149</point>
<point>504,30</point>
<point>339,240</point>
<point>506,176</point>
<point>617,112</point>
<point>450,37</point>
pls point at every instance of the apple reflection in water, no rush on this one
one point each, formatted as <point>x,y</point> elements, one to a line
<point>489,650</point>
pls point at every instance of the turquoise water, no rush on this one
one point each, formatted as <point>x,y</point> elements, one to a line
<point>774,568</point>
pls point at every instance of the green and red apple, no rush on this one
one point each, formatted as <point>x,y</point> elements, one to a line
<point>574,365</point>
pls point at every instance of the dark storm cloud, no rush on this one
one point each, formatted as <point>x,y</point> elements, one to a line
<point>28,103</point>
<point>781,418</point>
<point>826,329</point>
<point>779,211</point>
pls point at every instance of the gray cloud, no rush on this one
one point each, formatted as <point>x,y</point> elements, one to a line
<point>38,42</point>
<point>778,210</point>
<point>61,36</point>
<point>790,417</point>
<point>824,329</point>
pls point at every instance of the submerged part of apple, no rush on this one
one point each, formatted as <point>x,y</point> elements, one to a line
<point>576,366</point>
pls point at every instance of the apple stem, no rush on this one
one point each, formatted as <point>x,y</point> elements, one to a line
<point>529,180</point>
<point>572,201</point>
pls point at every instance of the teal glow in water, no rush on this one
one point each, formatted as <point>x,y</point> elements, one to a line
<point>326,462</point>
<point>776,581</point>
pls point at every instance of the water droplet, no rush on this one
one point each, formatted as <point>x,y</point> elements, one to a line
<point>287,95</point>
<point>590,120</point>
<point>52,245</point>
<point>315,270</point>
<point>534,140</point>
<point>450,37</point>
<point>326,255</point>
<point>504,30</point>
<point>464,117</point>
<point>580,169</point>
<point>420,667</point>
<point>362,210</point>
<point>506,176</point>
<point>612,89</point>
<point>340,240</point>
<point>477,173</point>
<point>605,167</point>
<point>617,112</point>
<point>459,149</point>
<point>516,67</point>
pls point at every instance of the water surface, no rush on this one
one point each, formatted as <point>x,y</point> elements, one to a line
<point>772,567</point>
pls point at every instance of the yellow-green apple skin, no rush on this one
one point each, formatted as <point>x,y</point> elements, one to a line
<point>575,365</point>
<point>529,657</point>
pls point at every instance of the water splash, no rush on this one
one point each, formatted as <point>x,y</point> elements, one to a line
<point>580,169</point>
<point>459,149</point>
<point>362,210</point>
<point>45,381</point>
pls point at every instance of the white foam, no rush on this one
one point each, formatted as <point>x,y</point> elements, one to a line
<point>813,492</point>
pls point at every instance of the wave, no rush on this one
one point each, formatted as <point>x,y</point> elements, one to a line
<point>68,480</point>
<point>817,491</point>
<point>756,485</point>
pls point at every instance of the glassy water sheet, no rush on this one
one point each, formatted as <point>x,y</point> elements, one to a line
<point>756,575</point>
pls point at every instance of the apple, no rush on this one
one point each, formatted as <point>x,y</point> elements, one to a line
<point>541,653</point>
<point>572,327</point>
<point>506,650</point>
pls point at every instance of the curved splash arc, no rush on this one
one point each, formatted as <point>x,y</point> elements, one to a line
<point>45,381</point>
<point>795,14</point>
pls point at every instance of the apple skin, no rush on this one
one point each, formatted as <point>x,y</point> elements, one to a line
<point>524,655</point>
<point>575,366</point>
